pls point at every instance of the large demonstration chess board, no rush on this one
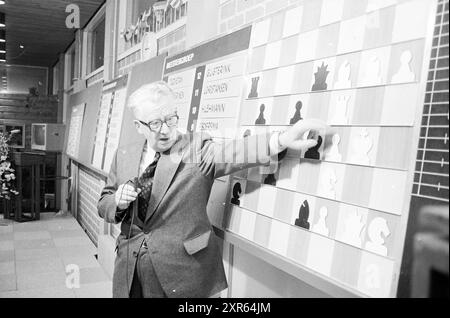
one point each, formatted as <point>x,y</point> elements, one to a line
<point>340,209</point>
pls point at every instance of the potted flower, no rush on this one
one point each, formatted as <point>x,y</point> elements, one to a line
<point>7,176</point>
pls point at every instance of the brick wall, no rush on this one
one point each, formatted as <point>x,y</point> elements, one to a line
<point>234,14</point>
<point>89,190</point>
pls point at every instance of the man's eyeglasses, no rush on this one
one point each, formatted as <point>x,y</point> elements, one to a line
<point>156,125</point>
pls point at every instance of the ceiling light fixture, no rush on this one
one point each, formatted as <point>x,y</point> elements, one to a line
<point>2,35</point>
<point>2,20</point>
<point>2,47</point>
<point>2,2</point>
<point>2,57</point>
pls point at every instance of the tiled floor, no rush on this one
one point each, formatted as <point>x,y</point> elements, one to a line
<point>37,258</point>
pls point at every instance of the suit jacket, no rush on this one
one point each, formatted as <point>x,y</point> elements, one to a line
<point>185,253</point>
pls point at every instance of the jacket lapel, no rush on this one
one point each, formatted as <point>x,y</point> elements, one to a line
<point>165,171</point>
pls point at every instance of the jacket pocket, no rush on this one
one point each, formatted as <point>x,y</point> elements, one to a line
<point>197,243</point>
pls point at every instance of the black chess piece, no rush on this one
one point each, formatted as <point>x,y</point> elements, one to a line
<point>247,133</point>
<point>260,120</point>
<point>313,153</point>
<point>297,116</point>
<point>303,216</point>
<point>254,90</point>
<point>236,192</point>
<point>270,179</point>
<point>321,78</point>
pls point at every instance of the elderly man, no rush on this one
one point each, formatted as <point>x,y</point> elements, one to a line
<point>166,247</point>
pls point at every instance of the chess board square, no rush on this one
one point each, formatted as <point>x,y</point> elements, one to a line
<point>357,183</point>
<point>276,27</point>
<point>251,196</point>
<point>280,110</point>
<point>262,230</point>
<point>351,35</point>
<point>298,108</point>
<point>346,263</point>
<point>289,51</point>
<point>328,40</point>
<point>312,11</point>
<point>330,209</point>
<point>256,63</point>
<point>320,254</point>
<point>248,111</point>
<point>381,233</point>
<point>374,66</point>
<point>272,56</point>
<point>406,62</point>
<point>302,78</point>
<point>351,226</point>
<point>346,75</point>
<point>353,9</point>
<point>335,144</point>
<point>260,33</point>
<point>318,106</point>
<point>289,174</point>
<point>398,109</point>
<point>293,21</point>
<point>247,224</point>
<point>266,87</point>
<point>308,173</point>
<point>285,76</point>
<point>279,237</point>
<point>368,106</point>
<point>233,221</point>
<point>363,146</point>
<point>323,74</point>
<point>375,275</point>
<point>298,244</point>
<point>341,107</point>
<point>283,204</point>
<point>388,191</point>
<point>330,182</point>
<point>379,26</point>
<point>266,200</point>
<point>254,175</point>
<point>332,11</point>
<point>307,45</point>
<point>405,28</point>
<point>302,212</point>
<point>398,138</point>
<point>373,5</point>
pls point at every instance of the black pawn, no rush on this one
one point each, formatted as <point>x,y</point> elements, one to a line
<point>321,78</point>
<point>260,120</point>
<point>270,180</point>
<point>236,192</point>
<point>297,115</point>
<point>254,90</point>
<point>303,216</point>
<point>313,153</point>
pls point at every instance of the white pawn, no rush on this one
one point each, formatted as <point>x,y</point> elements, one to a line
<point>404,74</point>
<point>340,115</point>
<point>333,154</point>
<point>372,76</point>
<point>377,228</point>
<point>344,76</point>
<point>321,225</point>
<point>361,148</point>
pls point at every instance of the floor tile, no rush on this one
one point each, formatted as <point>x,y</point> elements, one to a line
<point>37,267</point>
<point>6,246</point>
<point>33,244</point>
<point>43,280</point>
<point>7,268</point>
<point>93,275</point>
<point>36,253</point>
<point>51,292</point>
<point>67,233</point>
<point>35,235</point>
<point>96,290</point>
<point>81,261</point>
<point>8,282</point>
<point>6,256</point>
<point>75,250</point>
<point>73,241</point>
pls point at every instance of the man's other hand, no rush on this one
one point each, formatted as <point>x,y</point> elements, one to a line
<point>125,194</point>
<point>293,137</point>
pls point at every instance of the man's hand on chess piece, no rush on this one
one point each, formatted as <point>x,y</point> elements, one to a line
<point>293,138</point>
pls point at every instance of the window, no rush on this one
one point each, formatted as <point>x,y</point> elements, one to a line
<point>97,46</point>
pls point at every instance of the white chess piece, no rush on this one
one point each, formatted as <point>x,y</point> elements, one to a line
<point>372,75</point>
<point>377,228</point>
<point>344,76</point>
<point>361,148</point>
<point>333,154</point>
<point>404,74</point>
<point>340,115</point>
<point>328,184</point>
<point>321,225</point>
<point>354,225</point>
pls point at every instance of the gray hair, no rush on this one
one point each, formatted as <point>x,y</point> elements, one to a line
<point>150,94</point>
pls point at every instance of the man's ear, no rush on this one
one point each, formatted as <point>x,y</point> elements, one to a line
<point>138,126</point>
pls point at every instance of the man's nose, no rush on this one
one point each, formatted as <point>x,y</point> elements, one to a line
<point>164,128</point>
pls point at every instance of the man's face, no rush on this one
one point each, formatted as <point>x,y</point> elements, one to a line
<point>159,139</point>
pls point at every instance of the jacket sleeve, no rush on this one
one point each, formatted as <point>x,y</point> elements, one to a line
<point>106,207</point>
<point>220,159</point>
